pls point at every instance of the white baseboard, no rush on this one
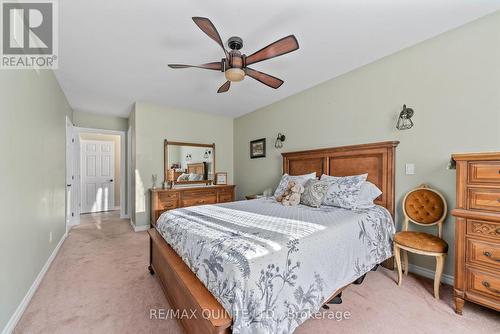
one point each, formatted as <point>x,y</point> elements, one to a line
<point>446,279</point>
<point>73,222</point>
<point>141,228</point>
<point>11,324</point>
<point>138,228</point>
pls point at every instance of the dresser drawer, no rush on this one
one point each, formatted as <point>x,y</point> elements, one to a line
<point>226,190</point>
<point>484,283</point>
<point>199,201</point>
<point>484,172</point>
<point>168,201</point>
<point>199,197</point>
<point>483,229</point>
<point>190,194</point>
<point>484,199</point>
<point>483,253</point>
<point>225,197</point>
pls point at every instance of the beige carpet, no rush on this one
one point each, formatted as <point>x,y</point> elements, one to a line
<point>99,283</point>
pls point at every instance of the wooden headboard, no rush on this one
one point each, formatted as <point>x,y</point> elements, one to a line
<point>198,168</point>
<point>376,159</point>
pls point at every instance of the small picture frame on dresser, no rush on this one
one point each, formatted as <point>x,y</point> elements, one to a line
<point>221,178</point>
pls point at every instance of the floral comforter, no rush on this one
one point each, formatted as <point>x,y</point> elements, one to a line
<point>272,267</point>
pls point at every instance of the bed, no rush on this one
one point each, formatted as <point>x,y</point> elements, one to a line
<point>258,267</point>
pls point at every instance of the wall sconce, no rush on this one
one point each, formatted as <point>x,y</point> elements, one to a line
<point>279,141</point>
<point>207,154</point>
<point>404,120</point>
<point>188,157</point>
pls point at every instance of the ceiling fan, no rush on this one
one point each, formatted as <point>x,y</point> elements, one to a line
<point>235,64</point>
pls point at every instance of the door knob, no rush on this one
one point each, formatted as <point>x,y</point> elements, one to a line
<point>111,180</point>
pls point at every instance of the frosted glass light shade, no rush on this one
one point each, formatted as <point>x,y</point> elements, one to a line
<point>234,74</point>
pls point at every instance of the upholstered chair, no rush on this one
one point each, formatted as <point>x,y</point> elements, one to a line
<point>427,207</point>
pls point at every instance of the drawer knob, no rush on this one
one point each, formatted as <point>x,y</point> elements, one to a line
<point>497,230</point>
<point>487,285</point>
<point>488,254</point>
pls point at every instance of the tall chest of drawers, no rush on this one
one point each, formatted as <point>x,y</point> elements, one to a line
<point>477,230</point>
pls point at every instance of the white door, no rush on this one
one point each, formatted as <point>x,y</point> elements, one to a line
<point>97,174</point>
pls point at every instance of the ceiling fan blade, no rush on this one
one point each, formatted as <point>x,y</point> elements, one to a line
<point>278,48</point>
<point>266,79</point>
<point>217,65</point>
<point>208,28</point>
<point>225,87</point>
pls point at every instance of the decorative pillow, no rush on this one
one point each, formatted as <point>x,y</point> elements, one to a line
<point>343,191</point>
<point>283,185</point>
<point>367,194</point>
<point>314,192</point>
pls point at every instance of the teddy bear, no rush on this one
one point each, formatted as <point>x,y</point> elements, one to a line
<point>291,196</point>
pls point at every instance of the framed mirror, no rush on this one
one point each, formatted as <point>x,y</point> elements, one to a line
<point>189,163</point>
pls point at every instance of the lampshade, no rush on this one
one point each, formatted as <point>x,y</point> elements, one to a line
<point>234,74</point>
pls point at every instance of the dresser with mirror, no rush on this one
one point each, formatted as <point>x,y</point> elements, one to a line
<point>189,175</point>
<point>189,163</point>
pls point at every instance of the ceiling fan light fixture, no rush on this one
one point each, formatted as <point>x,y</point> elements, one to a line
<point>235,64</point>
<point>234,74</point>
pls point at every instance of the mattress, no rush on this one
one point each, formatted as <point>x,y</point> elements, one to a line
<point>270,266</point>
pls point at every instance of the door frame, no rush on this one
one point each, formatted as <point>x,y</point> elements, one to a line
<point>124,199</point>
<point>72,145</point>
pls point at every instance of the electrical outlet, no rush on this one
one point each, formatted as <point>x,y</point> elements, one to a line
<point>50,237</point>
<point>410,169</point>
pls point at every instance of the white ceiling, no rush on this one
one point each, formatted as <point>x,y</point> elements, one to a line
<point>115,52</point>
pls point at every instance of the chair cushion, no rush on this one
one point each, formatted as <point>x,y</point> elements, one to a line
<point>421,241</point>
<point>424,206</point>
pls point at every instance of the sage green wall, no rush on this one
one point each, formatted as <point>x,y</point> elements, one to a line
<point>95,121</point>
<point>153,124</point>
<point>453,83</point>
<point>32,179</point>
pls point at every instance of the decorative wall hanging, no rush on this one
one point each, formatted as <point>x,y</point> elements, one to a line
<point>258,148</point>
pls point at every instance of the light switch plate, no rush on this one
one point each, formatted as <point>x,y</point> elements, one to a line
<point>410,169</point>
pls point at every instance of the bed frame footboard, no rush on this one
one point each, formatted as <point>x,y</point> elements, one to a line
<point>184,291</point>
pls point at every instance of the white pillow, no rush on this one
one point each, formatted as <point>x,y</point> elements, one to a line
<point>343,191</point>
<point>195,177</point>
<point>302,179</point>
<point>367,194</point>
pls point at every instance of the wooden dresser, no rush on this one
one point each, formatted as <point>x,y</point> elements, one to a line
<point>477,230</point>
<point>167,199</point>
